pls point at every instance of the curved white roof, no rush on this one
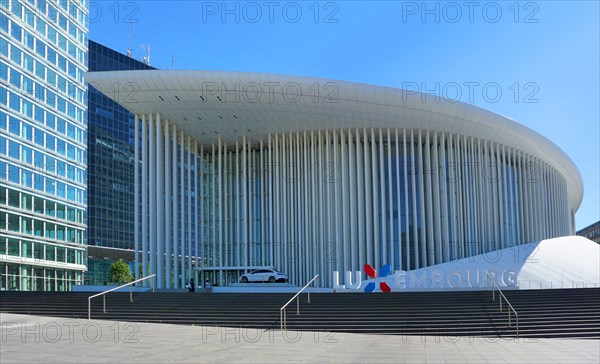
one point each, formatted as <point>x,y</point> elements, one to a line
<point>229,105</point>
<point>564,262</point>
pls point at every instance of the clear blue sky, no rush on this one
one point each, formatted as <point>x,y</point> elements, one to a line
<point>548,50</point>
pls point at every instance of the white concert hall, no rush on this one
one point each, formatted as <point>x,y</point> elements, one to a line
<point>240,171</point>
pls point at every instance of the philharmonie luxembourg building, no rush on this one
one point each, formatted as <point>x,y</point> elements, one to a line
<point>241,171</point>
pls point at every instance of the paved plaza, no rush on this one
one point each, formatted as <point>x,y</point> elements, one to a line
<point>38,339</point>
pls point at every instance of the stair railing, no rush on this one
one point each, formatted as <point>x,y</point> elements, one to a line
<point>500,297</point>
<point>103,294</point>
<point>282,310</point>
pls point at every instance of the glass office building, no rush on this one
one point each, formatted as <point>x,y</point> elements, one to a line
<point>110,170</point>
<point>43,130</point>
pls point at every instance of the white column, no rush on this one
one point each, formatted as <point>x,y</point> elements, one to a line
<point>189,207</point>
<point>238,220</point>
<point>475,212</point>
<point>328,208</point>
<point>306,207</point>
<point>504,200</point>
<point>442,196</point>
<point>519,190</point>
<point>423,251</point>
<point>153,207</point>
<point>363,216</point>
<point>406,212</point>
<point>516,196</point>
<point>271,200</point>
<point>136,194</point>
<point>160,200</point>
<point>545,199</point>
<point>299,210</point>
<point>277,175</point>
<point>284,204</point>
<point>196,216</point>
<point>211,215</point>
<point>345,205</point>
<point>519,197</point>
<point>555,204</point>
<point>375,198</point>
<point>220,224</point>
<point>500,206</point>
<point>249,181</point>
<point>201,221</point>
<point>528,226</point>
<point>315,236</point>
<point>181,242</point>
<point>462,251</point>
<point>486,198</point>
<point>428,194</point>
<point>417,260</point>
<point>260,217</point>
<point>174,209</point>
<point>468,196</point>
<point>390,201</point>
<point>290,241</point>
<point>338,210</point>
<point>225,210</point>
<point>481,206</point>
<point>264,204</point>
<point>250,198</point>
<point>531,181</point>
<point>382,204</point>
<point>245,201</point>
<point>537,205</point>
<point>367,175</point>
<point>437,210</point>
<point>145,191</point>
<point>452,244</point>
<point>167,203</point>
<point>321,211</point>
<point>354,264</point>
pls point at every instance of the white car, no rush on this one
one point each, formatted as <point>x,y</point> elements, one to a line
<point>264,275</point>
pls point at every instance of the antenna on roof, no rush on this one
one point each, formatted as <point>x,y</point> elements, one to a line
<point>146,59</point>
<point>130,49</point>
<point>172,61</point>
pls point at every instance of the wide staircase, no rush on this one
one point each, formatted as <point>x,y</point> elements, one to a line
<point>573,313</point>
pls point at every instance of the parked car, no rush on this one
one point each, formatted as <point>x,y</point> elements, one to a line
<point>264,275</point>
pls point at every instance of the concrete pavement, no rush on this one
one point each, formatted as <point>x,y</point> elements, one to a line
<point>38,339</point>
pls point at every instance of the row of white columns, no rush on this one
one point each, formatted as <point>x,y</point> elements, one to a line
<point>317,201</point>
<point>165,229</point>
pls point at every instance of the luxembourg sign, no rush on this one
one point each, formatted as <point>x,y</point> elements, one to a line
<point>421,279</point>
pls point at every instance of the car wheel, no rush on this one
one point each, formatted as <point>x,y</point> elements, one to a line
<point>244,279</point>
<point>271,279</point>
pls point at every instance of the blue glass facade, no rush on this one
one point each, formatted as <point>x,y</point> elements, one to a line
<point>43,157</point>
<point>110,167</point>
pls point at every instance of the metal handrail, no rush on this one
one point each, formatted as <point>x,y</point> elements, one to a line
<point>103,294</point>
<point>488,278</point>
<point>282,310</point>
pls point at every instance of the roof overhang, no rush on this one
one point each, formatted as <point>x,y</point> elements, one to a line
<point>209,105</point>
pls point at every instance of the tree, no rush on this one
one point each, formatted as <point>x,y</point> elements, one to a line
<point>119,273</point>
